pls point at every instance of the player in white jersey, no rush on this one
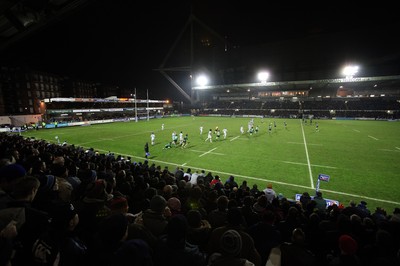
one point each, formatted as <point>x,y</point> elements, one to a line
<point>209,136</point>
<point>173,138</point>
<point>241,130</point>
<point>201,130</point>
<point>225,132</point>
<point>153,138</point>
<point>180,138</point>
<point>249,126</point>
<point>162,126</point>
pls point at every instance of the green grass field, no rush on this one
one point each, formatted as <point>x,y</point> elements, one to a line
<point>362,158</point>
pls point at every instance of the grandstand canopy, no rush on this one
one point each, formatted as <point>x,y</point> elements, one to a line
<point>383,84</point>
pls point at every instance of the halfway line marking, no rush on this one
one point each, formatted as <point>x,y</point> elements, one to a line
<point>308,158</point>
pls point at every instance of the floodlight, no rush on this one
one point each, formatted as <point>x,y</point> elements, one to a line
<point>263,76</point>
<point>202,80</point>
<point>350,71</point>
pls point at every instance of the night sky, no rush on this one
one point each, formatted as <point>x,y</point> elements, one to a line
<point>121,42</point>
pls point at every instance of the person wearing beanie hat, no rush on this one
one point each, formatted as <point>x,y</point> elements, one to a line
<point>119,205</point>
<point>363,209</point>
<point>270,193</point>
<point>9,175</point>
<point>47,182</point>
<point>231,243</point>
<point>60,243</point>
<point>11,171</point>
<point>97,190</point>
<point>348,249</point>
<point>231,247</point>
<point>347,245</point>
<point>234,222</point>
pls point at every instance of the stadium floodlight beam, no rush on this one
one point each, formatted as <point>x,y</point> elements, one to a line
<point>350,71</point>
<point>263,76</point>
<point>202,80</point>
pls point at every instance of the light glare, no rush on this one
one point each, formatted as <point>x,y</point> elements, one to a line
<point>202,80</point>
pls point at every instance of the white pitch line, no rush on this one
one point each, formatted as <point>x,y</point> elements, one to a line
<point>317,165</point>
<point>201,155</point>
<point>184,164</point>
<point>216,153</point>
<point>308,158</point>
<point>397,148</point>
<point>356,130</point>
<point>303,143</point>
<point>234,138</point>
<point>388,150</point>
<point>373,137</point>
<point>263,179</point>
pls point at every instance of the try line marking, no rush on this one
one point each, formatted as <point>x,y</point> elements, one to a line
<point>308,158</point>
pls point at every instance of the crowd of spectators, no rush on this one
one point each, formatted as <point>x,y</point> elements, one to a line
<point>66,205</point>
<point>320,107</point>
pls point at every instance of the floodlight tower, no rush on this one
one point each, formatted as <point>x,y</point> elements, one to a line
<point>135,101</point>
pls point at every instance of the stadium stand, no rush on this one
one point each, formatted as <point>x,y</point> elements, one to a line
<point>72,182</point>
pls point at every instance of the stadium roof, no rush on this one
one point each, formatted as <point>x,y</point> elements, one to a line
<point>382,82</point>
